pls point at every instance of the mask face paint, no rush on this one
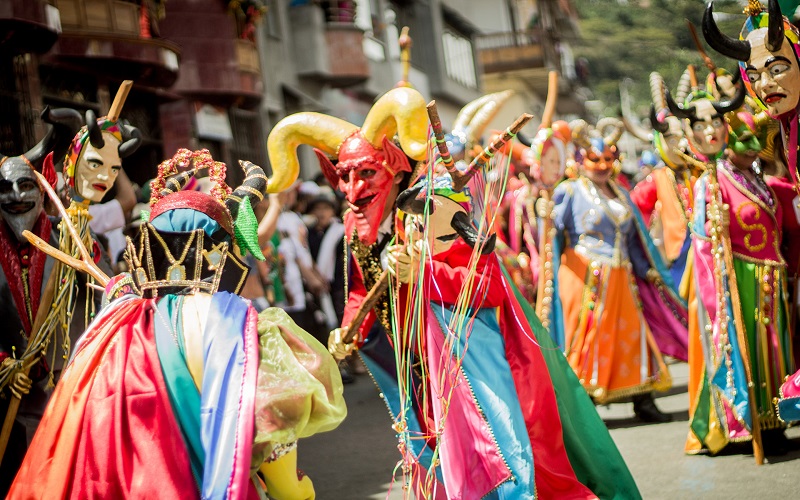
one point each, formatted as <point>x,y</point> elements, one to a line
<point>441,234</point>
<point>774,76</point>
<point>674,140</point>
<point>368,183</point>
<point>600,161</point>
<point>21,200</point>
<point>708,133</point>
<point>97,169</point>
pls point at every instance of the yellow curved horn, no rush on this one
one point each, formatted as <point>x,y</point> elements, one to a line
<point>402,111</point>
<point>468,112</point>
<point>315,129</point>
<point>484,114</point>
<point>617,127</point>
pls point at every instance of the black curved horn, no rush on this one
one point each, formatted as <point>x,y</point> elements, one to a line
<point>95,134</point>
<point>131,140</point>
<point>775,29</point>
<point>64,125</point>
<point>733,104</point>
<point>463,226</point>
<point>410,201</point>
<point>175,183</point>
<point>725,45</point>
<point>662,127</point>
<point>677,110</point>
<point>254,187</point>
<point>524,139</point>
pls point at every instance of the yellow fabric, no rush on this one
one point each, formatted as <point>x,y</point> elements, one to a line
<point>299,390</point>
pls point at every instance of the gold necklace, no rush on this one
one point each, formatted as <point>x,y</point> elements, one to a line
<point>176,271</point>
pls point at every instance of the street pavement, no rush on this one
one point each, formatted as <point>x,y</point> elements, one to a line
<point>356,461</point>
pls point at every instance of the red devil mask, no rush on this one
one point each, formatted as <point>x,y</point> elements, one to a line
<point>366,175</point>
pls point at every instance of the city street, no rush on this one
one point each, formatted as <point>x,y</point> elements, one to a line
<point>356,460</point>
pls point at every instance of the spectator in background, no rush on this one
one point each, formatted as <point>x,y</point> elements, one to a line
<point>326,243</point>
<point>300,275</point>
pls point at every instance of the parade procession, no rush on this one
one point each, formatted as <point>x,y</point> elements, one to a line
<point>558,245</point>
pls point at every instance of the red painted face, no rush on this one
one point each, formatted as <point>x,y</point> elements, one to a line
<point>366,176</point>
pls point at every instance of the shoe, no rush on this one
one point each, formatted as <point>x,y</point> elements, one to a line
<point>775,442</point>
<point>344,371</point>
<point>645,408</point>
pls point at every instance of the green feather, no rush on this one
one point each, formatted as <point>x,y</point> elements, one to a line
<point>245,228</point>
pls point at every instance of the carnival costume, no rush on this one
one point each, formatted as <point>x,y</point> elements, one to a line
<point>390,365</point>
<point>764,36</point>
<point>499,435</point>
<point>24,271</point>
<point>614,308</point>
<point>665,196</point>
<point>179,389</point>
<point>742,301</point>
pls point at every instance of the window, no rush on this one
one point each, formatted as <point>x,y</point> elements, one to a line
<point>459,59</point>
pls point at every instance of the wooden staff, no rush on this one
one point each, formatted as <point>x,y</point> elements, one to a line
<point>13,405</point>
<point>369,302</point>
<point>65,218</point>
<point>119,101</point>
<point>460,180</point>
<point>741,333</point>
<point>706,59</point>
<point>405,56</point>
<point>545,243</point>
<point>438,133</point>
<point>692,77</point>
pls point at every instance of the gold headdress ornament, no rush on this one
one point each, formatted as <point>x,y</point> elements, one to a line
<point>753,8</point>
<point>405,43</point>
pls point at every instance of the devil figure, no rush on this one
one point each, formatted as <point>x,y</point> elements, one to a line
<point>24,270</point>
<point>486,404</point>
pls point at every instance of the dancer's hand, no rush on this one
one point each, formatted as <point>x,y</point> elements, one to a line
<point>401,258</point>
<point>20,382</point>
<point>336,346</point>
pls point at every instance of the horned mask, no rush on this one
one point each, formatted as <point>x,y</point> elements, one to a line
<point>369,165</point>
<point>767,49</point>
<point>95,156</point>
<point>704,121</point>
<point>21,199</point>
<point>598,145</point>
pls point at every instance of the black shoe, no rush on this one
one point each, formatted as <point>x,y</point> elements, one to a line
<point>645,408</point>
<point>344,371</point>
<point>775,442</point>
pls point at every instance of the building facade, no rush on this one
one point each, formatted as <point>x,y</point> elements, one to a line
<point>219,74</point>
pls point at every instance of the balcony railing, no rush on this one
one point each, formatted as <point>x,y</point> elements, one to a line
<point>247,57</point>
<point>510,51</point>
<point>118,16</point>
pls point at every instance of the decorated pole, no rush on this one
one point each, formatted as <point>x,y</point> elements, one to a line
<point>545,238</point>
<point>438,134</point>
